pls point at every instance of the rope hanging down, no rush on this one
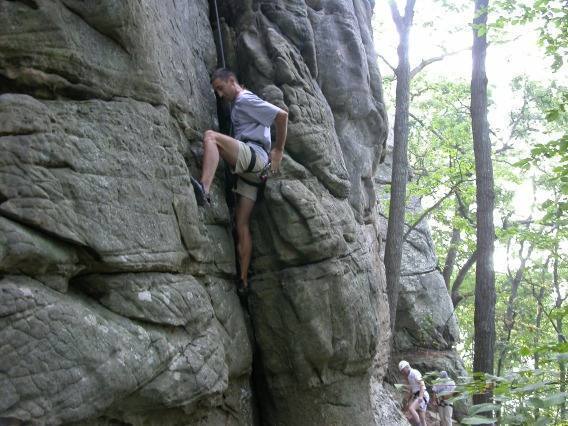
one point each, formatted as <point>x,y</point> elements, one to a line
<point>263,174</point>
<point>219,33</point>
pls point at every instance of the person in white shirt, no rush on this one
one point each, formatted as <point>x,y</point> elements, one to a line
<point>417,398</point>
<point>444,390</point>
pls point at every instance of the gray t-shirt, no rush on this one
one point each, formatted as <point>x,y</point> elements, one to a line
<point>447,385</point>
<point>252,117</point>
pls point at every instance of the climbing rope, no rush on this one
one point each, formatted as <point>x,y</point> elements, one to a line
<point>263,174</point>
<point>219,33</point>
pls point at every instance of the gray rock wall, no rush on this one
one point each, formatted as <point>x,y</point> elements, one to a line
<point>116,292</point>
<point>319,308</point>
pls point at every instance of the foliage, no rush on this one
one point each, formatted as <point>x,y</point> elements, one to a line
<point>445,163</point>
<point>525,396</point>
<point>531,214</point>
<point>442,160</point>
<point>551,18</point>
<point>550,158</point>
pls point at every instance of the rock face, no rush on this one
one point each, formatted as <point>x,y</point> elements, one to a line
<point>117,301</point>
<point>319,299</point>
<point>116,296</point>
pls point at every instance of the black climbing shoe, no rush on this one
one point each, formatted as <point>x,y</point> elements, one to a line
<point>203,198</point>
<point>241,289</point>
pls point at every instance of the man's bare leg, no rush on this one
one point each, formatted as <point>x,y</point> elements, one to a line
<point>244,239</point>
<point>413,410</point>
<point>214,145</point>
<point>422,415</point>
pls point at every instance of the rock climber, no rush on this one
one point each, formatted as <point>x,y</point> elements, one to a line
<point>443,390</point>
<point>248,154</point>
<point>417,398</point>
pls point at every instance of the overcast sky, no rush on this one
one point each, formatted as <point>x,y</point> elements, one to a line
<point>451,31</point>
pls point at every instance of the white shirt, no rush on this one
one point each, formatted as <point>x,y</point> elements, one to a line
<point>414,380</point>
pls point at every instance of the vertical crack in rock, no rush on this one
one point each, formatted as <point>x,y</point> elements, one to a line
<point>316,348</point>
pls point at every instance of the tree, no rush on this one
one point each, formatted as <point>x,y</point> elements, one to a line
<point>530,280</point>
<point>509,319</point>
<point>484,316</point>
<point>393,248</point>
<point>551,18</point>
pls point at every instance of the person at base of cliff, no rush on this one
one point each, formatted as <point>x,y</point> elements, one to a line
<point>444,390</point>
<point>417,397</point>
<point>247,154</point>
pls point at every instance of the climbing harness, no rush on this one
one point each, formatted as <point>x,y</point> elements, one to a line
<point>264,172</point>
<point>252,162</point>
<point>263,177</point>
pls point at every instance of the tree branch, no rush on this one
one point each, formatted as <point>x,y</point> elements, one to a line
<point>517,119</point>
<point>419,92</point>
<point>431,129</point>
<point>507,146</point>
<point>425,62</point>
<point>550,319</point>
<point>388,64</point>
<point>463,210</point>
<point>461,277</point>
<point>409,12</point>
<point>396,15</point>
<point>451,257</point>
<point>430,209</point>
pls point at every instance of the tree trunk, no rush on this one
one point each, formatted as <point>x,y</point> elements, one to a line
<point>558,305</point>
<point>537,324</point>
<point>536,340</point>
<point>456,296</point>
<point>451,257</point>
<point>509,320</point>
<point>484,317</point>
<point>393,248</point>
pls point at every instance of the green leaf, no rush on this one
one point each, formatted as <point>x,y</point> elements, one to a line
<point>536,403</point>
<point>523,164</point>
<point>476,420</point>
<point>556,399</point>
<point>542,421</point>
<point>483,408</point>
<point>516,419</point>
<point>532,387</point>
<point>553,114</point>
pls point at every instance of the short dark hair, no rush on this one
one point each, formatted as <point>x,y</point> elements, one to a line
<point>223,74</point>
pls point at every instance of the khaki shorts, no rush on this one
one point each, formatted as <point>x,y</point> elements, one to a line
<point>243,161</point>
<point>423,405</point>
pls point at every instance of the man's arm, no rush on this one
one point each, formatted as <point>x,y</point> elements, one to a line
<point>408,394</point>
<point>422,389</point>
<point>281,123</point>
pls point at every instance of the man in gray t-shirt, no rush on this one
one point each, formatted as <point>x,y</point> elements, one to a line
<point>247,154</point>
<point>251,118</point>
<point>444,390</point>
